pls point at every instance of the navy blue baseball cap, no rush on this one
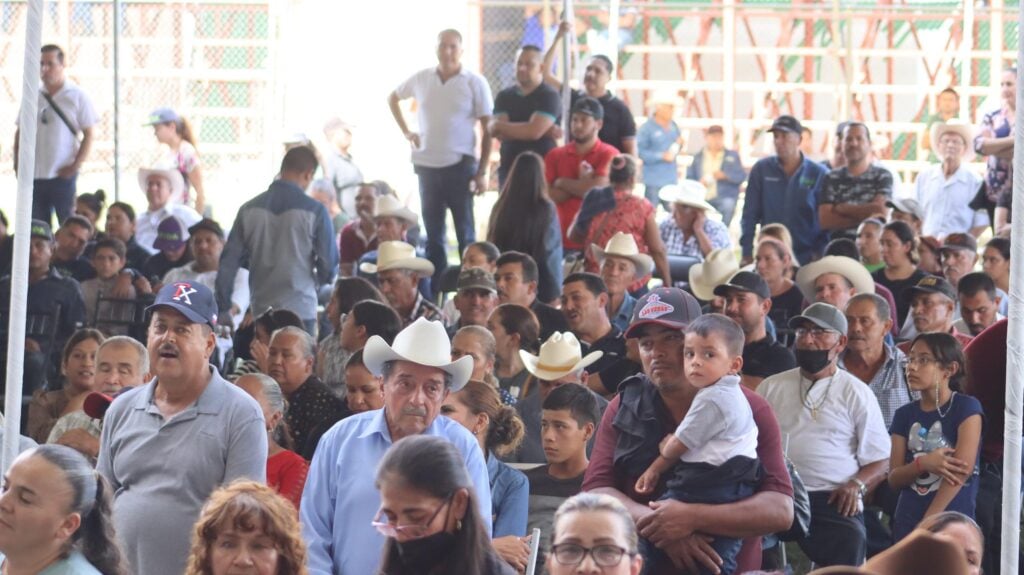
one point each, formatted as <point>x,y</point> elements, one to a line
<point>192,299</point>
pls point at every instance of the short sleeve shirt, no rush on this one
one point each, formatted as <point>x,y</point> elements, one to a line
<point>519,107</point>
<point>564,162</point>
<point>447,114</point>
<point>842,188</point>
<point>999,175</point>
<point>719,424</point>
<point>618,124</point>
<point>766,357</point>
<point>56,145</point>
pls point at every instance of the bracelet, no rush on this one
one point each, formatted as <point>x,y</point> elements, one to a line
<point>861,486</point>
<point>917,465</point>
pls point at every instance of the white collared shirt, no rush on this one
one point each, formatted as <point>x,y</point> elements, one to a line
<point>147,222</point>
<point>943,202</point>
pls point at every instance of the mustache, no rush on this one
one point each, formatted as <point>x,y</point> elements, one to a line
<point>414,411</point>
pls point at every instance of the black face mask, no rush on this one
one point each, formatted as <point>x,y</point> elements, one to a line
<point>425,553</point>
<point>812,360</point>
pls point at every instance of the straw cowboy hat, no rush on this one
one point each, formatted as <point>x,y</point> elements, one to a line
<point>623,245</point>
<point>957,127</point>
<point>397,256</point>
<point>390,206</point>
<point>920,552</point>
<point>559,356</point>
<point>171,175</point>
<point>688,193</point>
<point>423,342</point>
<point>849,268</point>
<point>716,269</point>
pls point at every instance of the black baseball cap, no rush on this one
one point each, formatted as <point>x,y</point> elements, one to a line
<point>745,281</point>
<point>786,124</point>
<point>665,306</point>
<point>931,284</point>
<point>41,229</point>
<point>209,225</point>
<point>589,106</point>
<point>192,299</point>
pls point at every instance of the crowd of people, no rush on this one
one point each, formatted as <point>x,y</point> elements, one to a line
<point>315,390</point>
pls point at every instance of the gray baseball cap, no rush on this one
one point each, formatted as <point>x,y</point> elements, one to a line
<point>823,315</point>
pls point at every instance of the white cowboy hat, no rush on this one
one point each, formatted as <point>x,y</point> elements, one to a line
<point>397,256</point>
<point>666,96</point>
<point>688,193</point>
<point>623,245</point>
<point>171,175</point>
<point>390,206</point>
<point>559,356</point>
<point>716,269</point>
<point>957,127</point>
<point>849,268</point>
<point>423,342</point>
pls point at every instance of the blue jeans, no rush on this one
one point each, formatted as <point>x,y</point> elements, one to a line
<point>726,206</point>
<point>834,539</point>
<point>443,189</point>
<point>53,195</point>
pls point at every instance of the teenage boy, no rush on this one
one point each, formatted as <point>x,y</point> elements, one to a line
<point>568,420</point>
<point>108,259</point>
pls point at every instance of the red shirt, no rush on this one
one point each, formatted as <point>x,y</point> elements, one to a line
<point>286,474</point>
<point>986,381</point>
<point>629,216</point>
<point>353,244</point>
<point>564,162</point>
<point>601,471</point>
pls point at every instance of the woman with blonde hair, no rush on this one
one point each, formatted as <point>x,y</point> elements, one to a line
<point>245,525</point>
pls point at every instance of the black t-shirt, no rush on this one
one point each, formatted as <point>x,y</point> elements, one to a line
<point>614,366</point>
<point>897,287</point>
<point>786,305</point>
<point>519,107</point>
<point>618,120</point>
<point>551,319</point>
<point>766,358</point>
<point>158,265</point>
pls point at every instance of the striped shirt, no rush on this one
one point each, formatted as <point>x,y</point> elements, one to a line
<point>889,383</point>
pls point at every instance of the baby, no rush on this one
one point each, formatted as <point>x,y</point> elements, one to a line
<point>713,453</point>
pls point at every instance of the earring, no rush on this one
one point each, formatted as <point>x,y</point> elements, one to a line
<point>458,525</point>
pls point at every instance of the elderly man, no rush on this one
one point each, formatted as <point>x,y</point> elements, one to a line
<point>841,446</point>
<point>933,307</point>
<point>628,438</point>
<point>721,171</point>
<point>747,302</point>
<point>517,280</point>
<point>392,222</point>
<point>168,445</point>
<point>621,264</point>
<point>584,303</point>
<point>206,241</point>
<point>979,303</point>
<point>160,185</point>
<point>340,499</point>
<point>398,271</point>
<point>312,406</point>
<point>476,298</point>
<point>690,232</point>
<point>856,191</point>
<point>783,189</point>
<point>359,235</point>
<point>288,241</point>
<point>561,361</point>
<point>945,190</point>
<point>834,280</point>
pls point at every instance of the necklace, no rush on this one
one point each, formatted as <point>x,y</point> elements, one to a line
<point>805,397</point>
<point>938,408</point>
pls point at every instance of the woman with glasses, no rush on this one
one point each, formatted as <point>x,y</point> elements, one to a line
<point>936,440</point>
<point>429,513</point>
<point>593,534</point>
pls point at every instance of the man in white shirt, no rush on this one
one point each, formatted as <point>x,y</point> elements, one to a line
<point>839,442</point>
<point>944,190</point>
<point>64,112</point>
<point>451,101</point>
<point>160,186</point>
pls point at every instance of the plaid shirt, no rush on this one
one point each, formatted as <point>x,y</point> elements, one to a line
<point>675,245</point>
<point>425,309</point>
<point>890,383</point>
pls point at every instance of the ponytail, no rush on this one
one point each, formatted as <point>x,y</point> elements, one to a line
<point>96,537</point>
<point>184,130</point>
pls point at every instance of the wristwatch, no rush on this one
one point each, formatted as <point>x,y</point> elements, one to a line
<point>861,486</point>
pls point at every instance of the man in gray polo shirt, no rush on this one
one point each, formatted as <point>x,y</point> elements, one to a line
<point>170,443</point>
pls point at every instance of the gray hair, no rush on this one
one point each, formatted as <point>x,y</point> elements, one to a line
<point>134,344</point>
<point>882,309</point>
<point>323,185</point>
<point>486,338</point>
<point>598,502</point>
<point>308,344</point>
<point>276,401</point>
<point>389,366</point>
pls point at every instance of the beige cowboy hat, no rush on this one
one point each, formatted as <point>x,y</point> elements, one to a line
<point>666,96</point>
<point>171,175</point>
<point>716,269</point>
<point>423,342</point>
<point>559,356</point>
<point>962,129</point>
<point>397,256</point>
<point>390,206</point>
<point>623,245</point>
<point>849,268</point>
<point>688,193</point>
<point>920,552</point>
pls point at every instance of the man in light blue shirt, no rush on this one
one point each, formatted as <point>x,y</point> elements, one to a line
<point>340,499</point>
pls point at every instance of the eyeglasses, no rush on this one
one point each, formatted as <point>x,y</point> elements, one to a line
<point>814,332</point>
<point>572,554</point>
<point>408,531</point>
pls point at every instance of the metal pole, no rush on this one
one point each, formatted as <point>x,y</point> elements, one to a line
<point>613,38</point>
<point>117,100</point>
<point>568,16</point>
<point>1014,339</point>
<point>966,46</point>
<point>729,70</point>
<point>22,231</point>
